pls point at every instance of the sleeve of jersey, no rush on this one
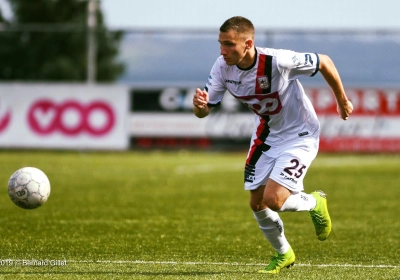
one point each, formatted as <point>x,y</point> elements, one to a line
<point>295,65</point>
<point>215,86</point>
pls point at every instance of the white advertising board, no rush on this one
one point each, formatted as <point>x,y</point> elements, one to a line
<point>218,125</point>
<point>64,116</point>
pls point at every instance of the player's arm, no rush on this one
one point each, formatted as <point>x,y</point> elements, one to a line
<point>331,76</point>
<point>200,100</point>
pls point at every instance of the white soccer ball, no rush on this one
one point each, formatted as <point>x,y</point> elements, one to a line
<point>29,187</point>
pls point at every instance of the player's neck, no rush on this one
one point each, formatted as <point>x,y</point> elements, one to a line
<point>248,59</point>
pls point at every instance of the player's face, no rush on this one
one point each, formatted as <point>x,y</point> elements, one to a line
<point>232,46</point>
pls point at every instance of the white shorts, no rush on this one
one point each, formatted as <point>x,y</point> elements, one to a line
<point>286,165</point>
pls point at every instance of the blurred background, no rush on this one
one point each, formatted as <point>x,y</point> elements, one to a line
<point>120,74</point>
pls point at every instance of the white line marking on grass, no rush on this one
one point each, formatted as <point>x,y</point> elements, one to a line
<point>230,264</point>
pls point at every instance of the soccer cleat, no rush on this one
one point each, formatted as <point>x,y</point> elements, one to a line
<point>320,216</point>
<point>279,261</point>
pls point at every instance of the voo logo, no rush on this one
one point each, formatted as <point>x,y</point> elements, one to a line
<point>71,117</point>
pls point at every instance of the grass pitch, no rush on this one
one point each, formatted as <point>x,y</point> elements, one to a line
<point>185,215</point>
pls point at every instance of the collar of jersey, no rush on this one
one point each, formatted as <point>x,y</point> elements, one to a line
<point>252,65</point>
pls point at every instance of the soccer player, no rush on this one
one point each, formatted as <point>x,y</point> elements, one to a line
<point>286,136</point>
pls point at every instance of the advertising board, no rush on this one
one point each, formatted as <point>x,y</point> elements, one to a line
<point>374,125</point>
<point>65,116</point>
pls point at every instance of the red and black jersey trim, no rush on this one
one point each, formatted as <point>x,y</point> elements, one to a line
<point>257,149</point>
<point>264,69</point>
<point>264,74</point>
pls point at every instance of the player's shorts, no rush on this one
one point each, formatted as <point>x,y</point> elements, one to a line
<point>286,165</point>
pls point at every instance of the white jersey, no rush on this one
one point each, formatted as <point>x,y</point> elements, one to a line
<point>271,90</point>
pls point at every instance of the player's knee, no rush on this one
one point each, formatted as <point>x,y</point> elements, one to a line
<point>273,202</point>
<point>275,195</point>
<point>257,206</point>
<point>256,199</point>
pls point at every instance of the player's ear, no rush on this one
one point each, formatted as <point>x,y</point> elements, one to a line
<point>249,44</point>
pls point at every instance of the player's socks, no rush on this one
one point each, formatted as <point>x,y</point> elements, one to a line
<point>299,202</point>
<point>271,226</point>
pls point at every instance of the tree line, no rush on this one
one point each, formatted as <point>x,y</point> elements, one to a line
<point>47,40</point>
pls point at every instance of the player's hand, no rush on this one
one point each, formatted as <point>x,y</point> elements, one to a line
<point>344,109</point>
<point>200,99</point>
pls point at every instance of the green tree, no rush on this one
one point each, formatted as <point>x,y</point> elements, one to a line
<point>47,41</point>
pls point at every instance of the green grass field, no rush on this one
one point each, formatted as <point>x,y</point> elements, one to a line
<point>185,215</point>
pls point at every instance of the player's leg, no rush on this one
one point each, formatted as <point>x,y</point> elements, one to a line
<point>259,165</point>
<point>289,172</point>
<point>272,227</point>
<point>268,221</point>
<point>280,198</point>
<point>316,204</point>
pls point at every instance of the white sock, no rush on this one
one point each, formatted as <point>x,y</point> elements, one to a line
<point>272,227</point>
<point>299,202</point>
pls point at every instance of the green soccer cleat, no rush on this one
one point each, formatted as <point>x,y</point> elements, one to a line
<point>279,261</point>
<point>320,216</point>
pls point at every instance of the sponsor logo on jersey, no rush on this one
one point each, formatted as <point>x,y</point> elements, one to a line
<point>263,104</point>
<point>263,82</point>
<point>296,60</point>
<point>233,82</point>
<point>303,133</point>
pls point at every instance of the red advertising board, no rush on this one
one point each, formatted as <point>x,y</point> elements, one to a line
<point>374,125</point>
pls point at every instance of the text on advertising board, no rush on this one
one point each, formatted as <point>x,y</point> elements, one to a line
<point>71,117</point>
